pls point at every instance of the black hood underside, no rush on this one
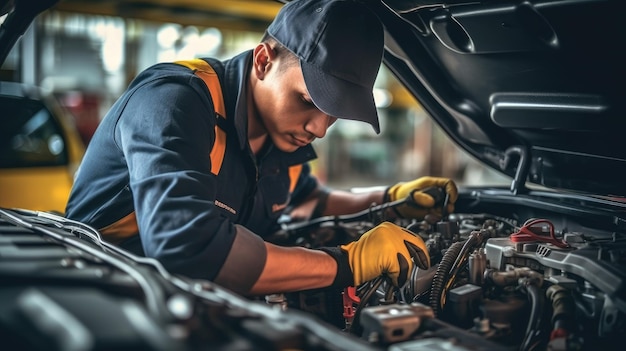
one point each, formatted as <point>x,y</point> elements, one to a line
<point>531,88</point>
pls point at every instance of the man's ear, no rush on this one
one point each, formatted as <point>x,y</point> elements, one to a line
<point>262,59</point>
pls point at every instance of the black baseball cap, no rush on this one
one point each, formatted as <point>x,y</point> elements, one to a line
<point>340,47</point>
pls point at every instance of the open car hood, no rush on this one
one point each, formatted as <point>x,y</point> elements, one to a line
<point>530,88</point>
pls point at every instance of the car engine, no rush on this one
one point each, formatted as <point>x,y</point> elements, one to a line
<point>518,272</point>
<point>534,271</point>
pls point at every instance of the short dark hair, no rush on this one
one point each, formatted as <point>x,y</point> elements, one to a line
<point>287,58</point>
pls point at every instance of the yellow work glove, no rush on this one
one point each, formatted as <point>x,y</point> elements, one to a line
<point>385,249</point>
<point>426,193</point>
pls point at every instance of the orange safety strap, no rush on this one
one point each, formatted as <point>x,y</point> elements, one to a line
<point>203,70</point>
<point>207,73</point>
<point>122,229</point>
<point>127,226</point>
<point>294,174</point>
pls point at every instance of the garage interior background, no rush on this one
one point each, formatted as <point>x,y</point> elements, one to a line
<point>86,52</point>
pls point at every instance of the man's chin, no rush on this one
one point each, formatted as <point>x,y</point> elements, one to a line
<point>287,147</point>
<point>284,145</point>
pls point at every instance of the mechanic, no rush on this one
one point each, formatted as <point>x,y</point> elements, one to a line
<point>196,161</point>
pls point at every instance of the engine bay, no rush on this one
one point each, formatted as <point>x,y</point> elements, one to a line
<point>533,279</point>
<point>524,272</point>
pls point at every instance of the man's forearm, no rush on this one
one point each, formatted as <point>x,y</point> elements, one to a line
<point>343,202</point>
<point>335,202</point>
<point>293,269</point>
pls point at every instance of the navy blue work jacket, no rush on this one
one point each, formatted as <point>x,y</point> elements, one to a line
<point>149,157</point>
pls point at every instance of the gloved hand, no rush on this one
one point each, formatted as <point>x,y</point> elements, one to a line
<point>386,249</point>
<point>423,198</point>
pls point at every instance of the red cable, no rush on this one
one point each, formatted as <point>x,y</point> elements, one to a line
<point>528,233</point>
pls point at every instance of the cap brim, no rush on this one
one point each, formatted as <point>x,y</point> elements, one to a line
<point>340,98</point>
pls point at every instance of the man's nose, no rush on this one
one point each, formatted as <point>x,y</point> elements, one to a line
<point>319,124</point>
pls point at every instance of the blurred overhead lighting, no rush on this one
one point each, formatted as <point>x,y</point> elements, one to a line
<point>382,98</point>
<point>168,35</point>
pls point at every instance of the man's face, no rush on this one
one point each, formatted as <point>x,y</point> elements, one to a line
<point>284,107</point>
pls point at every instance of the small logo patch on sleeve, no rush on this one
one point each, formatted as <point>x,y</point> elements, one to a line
<point>224,206</point>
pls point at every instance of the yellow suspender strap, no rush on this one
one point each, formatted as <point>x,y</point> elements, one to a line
<point>203,70</point>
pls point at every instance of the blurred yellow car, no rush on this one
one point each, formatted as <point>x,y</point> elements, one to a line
<point>40,150</point>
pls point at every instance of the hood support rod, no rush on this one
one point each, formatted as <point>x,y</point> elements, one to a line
<point>518,185</point>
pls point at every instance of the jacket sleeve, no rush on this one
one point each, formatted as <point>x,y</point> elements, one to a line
<point>166,133</point>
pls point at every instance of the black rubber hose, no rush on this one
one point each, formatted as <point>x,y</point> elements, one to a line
<point>441,275</point>
<point>537,299</point>
<point>374,285</point>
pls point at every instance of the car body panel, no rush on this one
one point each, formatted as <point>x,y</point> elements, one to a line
<point>40,153</point>
<point>38,188</point>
